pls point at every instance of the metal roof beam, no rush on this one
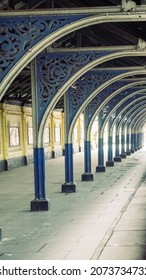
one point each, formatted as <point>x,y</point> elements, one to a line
<point>82,49</point>
<point>85,10</point>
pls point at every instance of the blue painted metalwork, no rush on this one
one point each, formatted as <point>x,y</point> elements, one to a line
<point>39,174</point>
<point>87,156</point>
<point>138,140</point>
<point>107,109</point>
<point>124,104</point>
<point>132,141</point>
<point>122,142</point>
<point>110,148</point>
<point>88,83</point>
<point>117,147</point>
<point>143,139</point>
<point>111,105</point>
<point>54,69</point>
<point>68,162</point>
<point>115,100</point>
<point>77,95</point>
<point>20,33</point>
<point>135,141</point>
<point>100,152</point>
<point>85,86</point>
<point>110,143</point>
<point>87,144</point>
<point>127,141</point>
<point>100,142</point>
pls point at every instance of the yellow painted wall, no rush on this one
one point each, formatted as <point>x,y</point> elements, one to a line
<point>15,119</point>
<point>80,129</point>
<point>12,120</point>
<point>56,130</point>
<point>78,134</point>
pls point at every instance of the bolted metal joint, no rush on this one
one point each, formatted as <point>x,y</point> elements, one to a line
<point>141,44</point>
<point>128,5</point>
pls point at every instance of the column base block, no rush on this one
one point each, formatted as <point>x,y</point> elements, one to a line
<point>128,153</point>
<point>110,163</point>
<point>68,187</point>
<point>39,205</point>
<point>132,151</point>
<point>123,155</point>
<point>87,177</point>
<point>100,168</point>
<point>117,159</point>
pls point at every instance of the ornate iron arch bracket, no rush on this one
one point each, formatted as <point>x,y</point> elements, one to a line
<point>89,83</point>
<point>103,95</point>
<point>117,99</point>
<point>20,33</point>
<point>55,69</point>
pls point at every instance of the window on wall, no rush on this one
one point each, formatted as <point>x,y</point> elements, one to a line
<point>57,134</point>
<point>14,138</point>
<point>30,135</point>
<point>46,135</point>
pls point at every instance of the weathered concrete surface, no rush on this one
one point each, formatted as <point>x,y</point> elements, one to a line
<point>104,219</point>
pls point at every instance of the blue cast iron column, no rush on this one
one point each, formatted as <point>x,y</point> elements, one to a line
<point>110,161</point>
<point>123,153</point>
<point>132,141</point>
<point>39,172</point>
<point>87,175</point>
<point>128,152</point>
<point>117,157</point>
<point>69,185</point>
<point>139,142</point>
<point>40,203</point>
<point>135,141</point>
<point>100,167</point>
<point>142,139</point>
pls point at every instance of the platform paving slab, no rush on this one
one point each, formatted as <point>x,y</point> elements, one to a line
<point>80,225</point>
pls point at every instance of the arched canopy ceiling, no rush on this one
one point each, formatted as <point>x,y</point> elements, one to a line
<point>102,35</point>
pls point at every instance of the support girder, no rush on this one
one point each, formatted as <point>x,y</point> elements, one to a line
<point>76,20</point>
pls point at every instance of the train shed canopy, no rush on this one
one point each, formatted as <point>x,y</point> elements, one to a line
<point>101,35</point>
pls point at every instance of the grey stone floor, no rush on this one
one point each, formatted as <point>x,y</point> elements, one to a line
<point>104,219</point>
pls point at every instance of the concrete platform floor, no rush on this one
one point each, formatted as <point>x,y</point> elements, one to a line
<point>105,219</point>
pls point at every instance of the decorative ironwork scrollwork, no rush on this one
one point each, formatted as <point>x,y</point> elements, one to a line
<point>87,84</point>
<point>97,101</point>
<point>19,34</point>
<point>55,69</point>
